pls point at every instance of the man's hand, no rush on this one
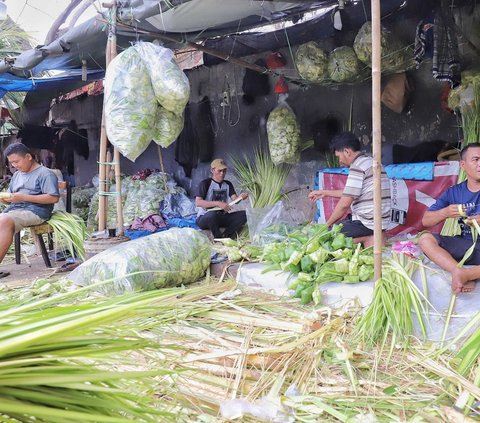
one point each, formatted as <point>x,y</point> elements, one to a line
<point>16,197</point>
<point>316,195</point>
<point>243,195</point>
<point>455,211</point>
<point>224,206</point>
<point>469,220</point>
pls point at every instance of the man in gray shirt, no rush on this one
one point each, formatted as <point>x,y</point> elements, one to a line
<point>33,192</point>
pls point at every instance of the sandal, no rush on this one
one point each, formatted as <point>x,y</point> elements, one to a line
<point>4,274</point>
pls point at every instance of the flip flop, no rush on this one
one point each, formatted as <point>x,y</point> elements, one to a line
<point>4,274</point>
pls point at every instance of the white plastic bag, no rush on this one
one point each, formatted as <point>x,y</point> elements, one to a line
<point>170,84</point>
<point>283,134</point>
<point>174,257</point>
<point>167,127</point>
<point>130,105</point>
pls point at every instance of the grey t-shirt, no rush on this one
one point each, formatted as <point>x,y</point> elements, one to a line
<point>39,181</point>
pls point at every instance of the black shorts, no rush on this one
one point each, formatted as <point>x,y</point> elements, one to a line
<point>457,246</point>
<point>355,228</point>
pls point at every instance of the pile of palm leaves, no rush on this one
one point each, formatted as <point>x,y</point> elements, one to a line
<point>198,353</point>
<point>262,179</point>
<point>69,232</point>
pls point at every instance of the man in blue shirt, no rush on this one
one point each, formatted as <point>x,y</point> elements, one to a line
<point>33,192</point>
<point>461,201</point>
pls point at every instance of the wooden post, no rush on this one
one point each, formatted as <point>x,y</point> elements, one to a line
<point>102,158</point>
<point>116,153</point>
<point>110,53</point>
<point>377,137</point>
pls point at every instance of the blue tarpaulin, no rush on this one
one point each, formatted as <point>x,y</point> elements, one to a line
<point>414,171</point>
<point>9,82</point>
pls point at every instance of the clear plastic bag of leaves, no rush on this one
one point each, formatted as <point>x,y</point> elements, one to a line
<point>130,104</point>
<point>283,134</point>
<point>167,128</point>
<point>311,62</point>
<point>343,65</point>
<point>178,256</point>
<point>394,56</point>
<point>169,82</point>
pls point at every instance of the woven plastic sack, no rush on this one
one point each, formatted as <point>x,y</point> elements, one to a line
<point>343,64</point>
<point>167,128</point>
<point>170,84</point>
<point>283,134</point>
<point>165,259</point>
<point>311,62</point>
<point>130,105</point>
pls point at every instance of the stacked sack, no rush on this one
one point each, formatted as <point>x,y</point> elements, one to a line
<point>145,96</point>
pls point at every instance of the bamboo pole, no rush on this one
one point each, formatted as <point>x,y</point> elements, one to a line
<point>110,53</point>
<point>116,153</point>
<point>102,167</point>
<point>377,137</point>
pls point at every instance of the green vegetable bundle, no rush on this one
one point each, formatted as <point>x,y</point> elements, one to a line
<point>164,259</point>
<point>318,255</point>
<point>311,62</point>
<point>283,134</point>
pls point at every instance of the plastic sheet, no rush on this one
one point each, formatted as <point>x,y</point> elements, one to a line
<point>177,205</point>
<point>130,104</point>
<point>165,259</point>
<point>268,224</point>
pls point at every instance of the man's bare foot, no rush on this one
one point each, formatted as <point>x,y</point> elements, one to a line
<point>468,286</point>
<point>460,281</point>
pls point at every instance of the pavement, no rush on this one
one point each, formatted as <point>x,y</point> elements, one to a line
<point>28,271</point>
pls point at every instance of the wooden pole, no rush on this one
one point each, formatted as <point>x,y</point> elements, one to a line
<point>162,168</point>
<point>102,168</point>
<point>116,153</point>
<point>110,53</point>
<point>377,137</point>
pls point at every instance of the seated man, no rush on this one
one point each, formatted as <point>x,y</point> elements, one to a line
<point>217,192</point>
<point>34,191</point>
<point>461,201</point>
<point>358,192</point>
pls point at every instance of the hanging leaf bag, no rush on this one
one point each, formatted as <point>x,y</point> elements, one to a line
<point>130,105</point>
<point>312,62</point>
<point>283,135</point>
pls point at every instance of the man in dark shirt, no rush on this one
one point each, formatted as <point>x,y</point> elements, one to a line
<point>212,199</point>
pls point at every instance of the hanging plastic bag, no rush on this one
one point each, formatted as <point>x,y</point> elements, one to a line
<point>165,259</point>
<point>343,64</point>
<point>394,57</point>
<point>130,105</point>
<point>283,134</point>
<point>311,62</point>
<point>170,84</point>
<point>168,127</point>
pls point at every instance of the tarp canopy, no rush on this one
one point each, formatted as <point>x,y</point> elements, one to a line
<point>192,20</point>
<point>218,24</point>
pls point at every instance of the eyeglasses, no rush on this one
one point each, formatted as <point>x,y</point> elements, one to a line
<point>220,170</point>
